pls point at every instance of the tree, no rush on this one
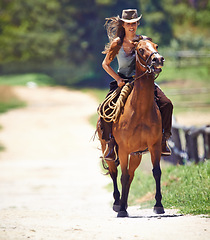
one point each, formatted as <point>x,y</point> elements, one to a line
<point>156,21</point>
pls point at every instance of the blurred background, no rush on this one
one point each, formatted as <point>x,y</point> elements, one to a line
<point>64,38</point>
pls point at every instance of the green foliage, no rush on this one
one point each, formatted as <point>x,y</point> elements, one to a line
<point>183,187</point>
<point>29,30</point>
<point>64,38</point>
<point>156,22</point>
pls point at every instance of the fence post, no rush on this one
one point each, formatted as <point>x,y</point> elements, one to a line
<point>206,136</point>
<point>176,158</point>
<point>192,144</point>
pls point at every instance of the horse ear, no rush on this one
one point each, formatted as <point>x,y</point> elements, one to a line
<point>136,40</point>
<point>146,38</point>
<point>150,39</point>
<point>135,43</point>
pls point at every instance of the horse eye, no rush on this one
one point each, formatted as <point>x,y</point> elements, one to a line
<point>157,47</point>
<point>141,50</point>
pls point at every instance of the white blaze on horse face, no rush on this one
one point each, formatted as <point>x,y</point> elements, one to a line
<point>152,49</point>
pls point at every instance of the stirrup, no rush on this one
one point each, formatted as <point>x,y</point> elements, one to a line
<point>167,150</point>
<point>115,154</point>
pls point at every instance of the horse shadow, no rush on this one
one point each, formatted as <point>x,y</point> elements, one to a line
<point>135,212</point>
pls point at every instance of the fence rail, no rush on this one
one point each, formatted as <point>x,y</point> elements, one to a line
<point>185,145</point>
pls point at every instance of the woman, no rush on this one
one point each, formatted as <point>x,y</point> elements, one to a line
<point>121,33</point>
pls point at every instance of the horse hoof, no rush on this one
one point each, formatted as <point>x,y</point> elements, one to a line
<point>116,208</point>
<point>122,214</point>
<point>158,210</point>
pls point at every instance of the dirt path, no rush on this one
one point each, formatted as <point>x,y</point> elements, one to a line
<point>51,186</point>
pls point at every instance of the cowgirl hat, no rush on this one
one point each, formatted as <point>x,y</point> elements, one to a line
<point>130,16</point>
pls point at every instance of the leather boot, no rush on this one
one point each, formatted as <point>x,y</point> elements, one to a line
<point>166,151</point>
<point>111,149</point>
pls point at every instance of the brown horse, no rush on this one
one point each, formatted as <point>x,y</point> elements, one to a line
<point>138,128</point>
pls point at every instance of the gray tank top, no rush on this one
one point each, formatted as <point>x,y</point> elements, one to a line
<point>127,63</point>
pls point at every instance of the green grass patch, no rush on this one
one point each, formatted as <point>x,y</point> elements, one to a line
<point>2,148</point>
<point>183,187</point>
<point>187,87</point>
<point>25,79</point>
<point>192,73</point>
<point>8,99</point>
<point>12,104</point>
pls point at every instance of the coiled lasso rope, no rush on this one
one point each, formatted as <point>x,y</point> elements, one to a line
<point>110,109</point>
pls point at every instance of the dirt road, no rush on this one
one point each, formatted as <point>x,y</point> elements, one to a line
<point>51,185</point>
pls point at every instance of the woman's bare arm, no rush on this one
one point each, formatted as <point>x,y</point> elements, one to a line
<point>107,61</point>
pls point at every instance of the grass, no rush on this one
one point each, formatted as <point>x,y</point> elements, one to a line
<point>187,87</point>
<point>183,187</point>
<point>192,73</point>
<point>25,79</point>
<point>186,188</point>
<point>8,99</point>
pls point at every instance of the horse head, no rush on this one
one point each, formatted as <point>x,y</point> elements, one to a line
<point>148,56</point>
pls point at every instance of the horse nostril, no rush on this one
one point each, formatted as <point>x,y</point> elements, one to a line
<point>154,59</point>
<point>162,59</point>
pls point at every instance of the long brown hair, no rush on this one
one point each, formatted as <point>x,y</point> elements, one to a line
<point>114,28</point>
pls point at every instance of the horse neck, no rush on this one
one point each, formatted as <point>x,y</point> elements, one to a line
<point>143,91</point>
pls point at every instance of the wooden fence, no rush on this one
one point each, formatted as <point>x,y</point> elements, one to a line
<point>189,144</point>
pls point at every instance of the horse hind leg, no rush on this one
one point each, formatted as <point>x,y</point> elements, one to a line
<point>112,170</point>
<point>116,194</point>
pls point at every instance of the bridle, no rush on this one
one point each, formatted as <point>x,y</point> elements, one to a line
<point>146,66</point>
<point>149,67</point>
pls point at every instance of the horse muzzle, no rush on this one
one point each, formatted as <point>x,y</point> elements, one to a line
<point>157,63</point>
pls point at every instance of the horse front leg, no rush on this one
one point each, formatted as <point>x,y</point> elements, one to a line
<point>126,180</point>
<point>158,208</point>
<point>155,156</point>
<point>124,197</point>
<point>116,194</point>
